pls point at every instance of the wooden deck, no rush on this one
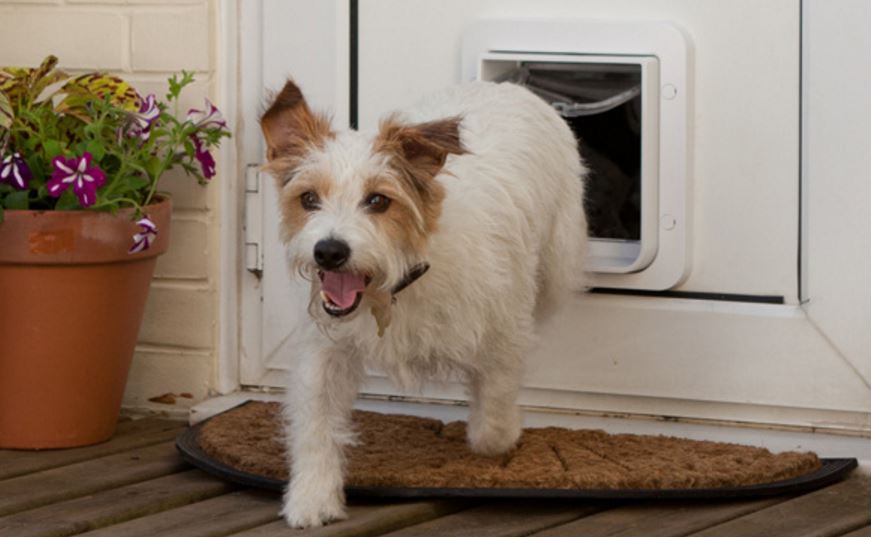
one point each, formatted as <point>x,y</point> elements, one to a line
<point>136,485</point>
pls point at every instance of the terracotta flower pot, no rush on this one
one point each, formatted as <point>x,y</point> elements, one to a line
<point>71,302</point>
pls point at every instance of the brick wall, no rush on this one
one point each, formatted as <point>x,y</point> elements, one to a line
<point>144,41</point>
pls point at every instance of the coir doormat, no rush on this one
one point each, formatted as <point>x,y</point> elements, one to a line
<point>408,456</point>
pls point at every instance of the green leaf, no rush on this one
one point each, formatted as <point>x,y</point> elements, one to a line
<point>36,167</point>
<point>6,113</point>
<point>135,183</point>
<point>1,214</point>
<point>153,167</point>
<point>95,148</point>
<point>189,149</point>
<point>93,129</point>
<point>52,149</point>
<point>176,85</point>
<point>16,200</point>
<point>67,202</point>
<point>85,88</point>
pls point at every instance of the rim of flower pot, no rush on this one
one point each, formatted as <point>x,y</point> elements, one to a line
<point>46,237</point>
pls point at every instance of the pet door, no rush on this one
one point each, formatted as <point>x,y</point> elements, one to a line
<point>624,90</point>
<point>610,104</point>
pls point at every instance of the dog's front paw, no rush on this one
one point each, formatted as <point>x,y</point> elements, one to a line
<point>312,507</point>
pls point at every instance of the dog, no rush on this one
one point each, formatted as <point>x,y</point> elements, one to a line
<point>432,246</point>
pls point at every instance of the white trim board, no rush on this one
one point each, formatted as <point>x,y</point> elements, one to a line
<point>759,363</point>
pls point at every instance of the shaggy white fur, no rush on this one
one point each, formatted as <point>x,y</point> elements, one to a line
<point>509,244</point>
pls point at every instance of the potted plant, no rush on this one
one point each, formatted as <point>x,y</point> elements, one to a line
<point>81,226</point>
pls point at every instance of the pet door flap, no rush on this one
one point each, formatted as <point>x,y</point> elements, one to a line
<point>574,91</point>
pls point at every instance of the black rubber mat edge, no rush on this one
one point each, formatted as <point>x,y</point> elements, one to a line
<point>831,471</point>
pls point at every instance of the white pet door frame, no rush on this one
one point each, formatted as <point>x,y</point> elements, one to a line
<point>658,258</point>
<point>609,255</point>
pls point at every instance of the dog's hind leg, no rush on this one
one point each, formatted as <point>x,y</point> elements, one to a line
<point>319,401</point>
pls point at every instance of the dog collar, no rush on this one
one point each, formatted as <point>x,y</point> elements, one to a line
<point>410,277</point>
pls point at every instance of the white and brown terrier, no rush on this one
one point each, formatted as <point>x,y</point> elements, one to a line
<point>470,204</point>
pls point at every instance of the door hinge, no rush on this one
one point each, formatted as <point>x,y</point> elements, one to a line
<point>254,220</point>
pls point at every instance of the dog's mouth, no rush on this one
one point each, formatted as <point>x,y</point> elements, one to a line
<point>342,292</point>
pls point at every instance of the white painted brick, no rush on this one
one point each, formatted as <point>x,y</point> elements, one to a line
<point>188,254</point>
<point>155,372</point>
<point>186,192</point>
<point>179,315</point>
<point>82,40</point>
<point>136,2</point>
<point>171,40</point>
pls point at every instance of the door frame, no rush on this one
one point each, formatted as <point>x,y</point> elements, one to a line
<point>229,44</point>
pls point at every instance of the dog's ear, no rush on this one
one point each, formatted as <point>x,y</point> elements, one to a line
<point>290,127</point>
<point>423,147</point>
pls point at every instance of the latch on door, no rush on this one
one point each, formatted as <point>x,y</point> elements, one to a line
<point>253,220</point>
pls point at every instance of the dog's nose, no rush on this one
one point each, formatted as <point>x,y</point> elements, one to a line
<point>331,253</point>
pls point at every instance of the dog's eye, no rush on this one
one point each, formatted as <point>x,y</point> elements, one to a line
<point>310,201</point>
<point>377,203</point>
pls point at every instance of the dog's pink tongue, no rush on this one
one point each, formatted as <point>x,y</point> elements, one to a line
<point>342,287</point>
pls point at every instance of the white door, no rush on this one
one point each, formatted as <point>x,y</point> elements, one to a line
<point>756,357</point>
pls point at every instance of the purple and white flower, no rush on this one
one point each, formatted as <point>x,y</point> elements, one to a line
<point>210,118</point>
<point>142,120</point>
<point>207,162</point>
<point>144,237</point>
<point>207,119</point>
<point>78,173</point>
<point>15,171</point>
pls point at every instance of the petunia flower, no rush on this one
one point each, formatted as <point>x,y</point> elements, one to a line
<point>210,118</point>
<point>207,162</point>
<point>78,173</point>
<point>142,120</point>
<point>142,240</point>
<point>15,171</point>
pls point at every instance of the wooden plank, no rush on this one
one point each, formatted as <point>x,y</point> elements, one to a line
<point>503,519</point>
<point>209,518</point>
<point>130,434</point>
<point>365,520</point>
<point>829,512</point>
<point>67,482</point>
<point>657,519</point>
<point>864,532</point>
<point>113,506</point>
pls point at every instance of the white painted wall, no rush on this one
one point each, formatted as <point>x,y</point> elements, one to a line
<point>837,159</point>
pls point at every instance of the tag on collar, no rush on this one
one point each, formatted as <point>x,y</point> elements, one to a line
<point>381,309</point>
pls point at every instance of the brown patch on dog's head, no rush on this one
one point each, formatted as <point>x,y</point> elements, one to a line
<point>291,130</point>
<point>404,221</point>
<point>417,153</point>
